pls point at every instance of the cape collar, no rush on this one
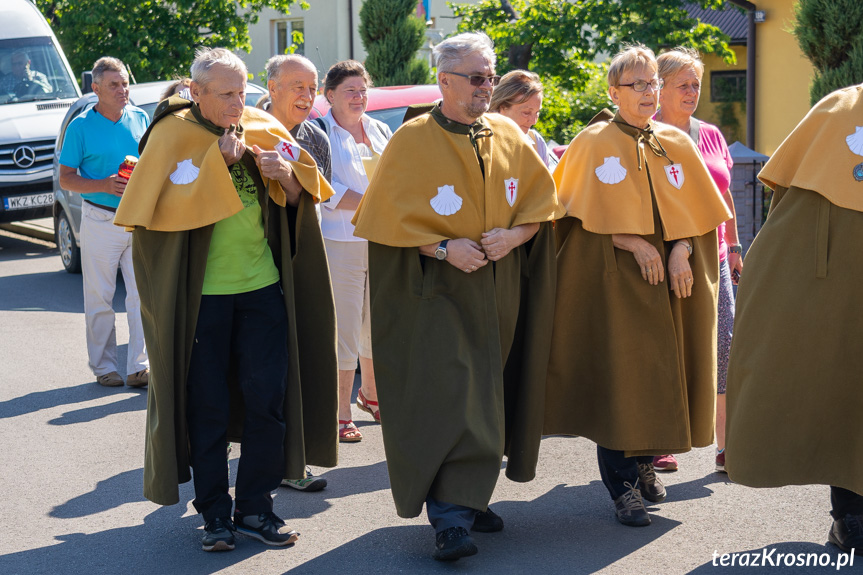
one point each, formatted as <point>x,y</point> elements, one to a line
<point>476,130</point>
<point>645,135</point>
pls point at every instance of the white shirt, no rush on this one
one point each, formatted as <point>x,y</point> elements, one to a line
<point>348,174</point>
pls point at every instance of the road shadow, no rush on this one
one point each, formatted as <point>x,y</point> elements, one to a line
<point>126,487</point>
<point>569,529</point>
<point>16,247</point>
<point>772,559</point>
<point>39,400</point>
<point>51,291</point>
<point>341,482</point>
<point>695,489</point>
<point>166,542</point>
<point>46,291</point>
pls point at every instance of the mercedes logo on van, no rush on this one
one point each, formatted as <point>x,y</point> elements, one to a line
<point>24,156</point>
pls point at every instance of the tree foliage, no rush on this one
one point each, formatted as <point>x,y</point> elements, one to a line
<point>562,41</point>
<point>392,35</point>
<point>156,38</point>
<point>830,35</point>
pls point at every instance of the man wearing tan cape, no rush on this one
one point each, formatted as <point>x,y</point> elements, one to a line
<point>795,397</point>
<point>461,258</point>
<point>236,303</point>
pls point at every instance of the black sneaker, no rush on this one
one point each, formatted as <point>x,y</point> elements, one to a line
<point>266,527</point>
<point>453,543</point>
<point>218,535</point>
<point>847,534</point>
<point>649,484</point>
<point>487,522</point>
<point>629,508</point>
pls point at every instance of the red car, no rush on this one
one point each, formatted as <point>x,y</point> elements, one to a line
<point>388,104</point>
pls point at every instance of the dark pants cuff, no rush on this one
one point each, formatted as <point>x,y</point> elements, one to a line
<point>845,502</point>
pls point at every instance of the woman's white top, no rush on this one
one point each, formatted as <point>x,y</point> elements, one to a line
<point>348,174</point>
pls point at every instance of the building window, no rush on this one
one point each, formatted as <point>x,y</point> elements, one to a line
<point>728,86</point>
<point>288,37</point>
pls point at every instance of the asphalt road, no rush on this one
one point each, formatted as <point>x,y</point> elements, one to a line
<point>71,480</point>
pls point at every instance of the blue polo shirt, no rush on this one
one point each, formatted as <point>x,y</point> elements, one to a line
<point>96,146</point>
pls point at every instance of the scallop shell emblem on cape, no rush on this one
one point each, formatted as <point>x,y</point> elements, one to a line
<point>446,202</point>
<point>855,141</point>
<point>611,172</point>
<point>186,173</point>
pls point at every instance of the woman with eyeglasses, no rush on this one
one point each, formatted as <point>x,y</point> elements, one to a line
<point>518,96</point>
<point>681,69</point>
<point>633,355</point>
<point>357,142</point>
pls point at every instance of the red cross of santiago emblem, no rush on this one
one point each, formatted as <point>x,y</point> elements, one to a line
<point>674,173</point>
<point>288,151</point>
<point>511,189</point>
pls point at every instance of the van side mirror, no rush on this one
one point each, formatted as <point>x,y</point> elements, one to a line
<point>86,82</point>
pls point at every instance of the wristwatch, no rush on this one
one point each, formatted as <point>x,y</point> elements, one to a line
<point>440,252</point>
<point>686,245</point>
<point>735,249</point>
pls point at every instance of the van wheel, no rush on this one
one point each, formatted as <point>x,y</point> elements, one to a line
<point>70,253</point>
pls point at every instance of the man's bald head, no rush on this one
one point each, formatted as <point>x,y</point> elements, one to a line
<point>278,65</point>
<point>292,81</point>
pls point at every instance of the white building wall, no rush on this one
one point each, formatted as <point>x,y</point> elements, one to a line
<point>329,34</point>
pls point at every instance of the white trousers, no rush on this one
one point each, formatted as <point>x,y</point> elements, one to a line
<point>104,248</point>
<point>349,270</point>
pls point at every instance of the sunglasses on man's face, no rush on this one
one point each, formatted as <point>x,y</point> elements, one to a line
<point>477,80</point>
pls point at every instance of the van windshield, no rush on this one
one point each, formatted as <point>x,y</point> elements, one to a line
<point>31,70</point>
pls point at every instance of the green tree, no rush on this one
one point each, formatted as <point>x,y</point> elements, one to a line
<point>392,35</point>
<point>830,35</point>
<point>156,38</point>
<point>562,41</point>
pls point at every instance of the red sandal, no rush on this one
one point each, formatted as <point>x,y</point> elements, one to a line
<point>370,407</point>
<point>348,432</point>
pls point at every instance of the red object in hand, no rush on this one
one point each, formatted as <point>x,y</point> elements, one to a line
<point>126,168</point>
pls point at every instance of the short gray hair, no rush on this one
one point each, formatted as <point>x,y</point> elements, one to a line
<point>274,65</point>
<point>449,53</point>
<point>630,57</point>
<point>206,58</point>
<point>674,61</point>
<point>107,64</point>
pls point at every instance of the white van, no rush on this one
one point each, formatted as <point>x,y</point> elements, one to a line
<point>36,89</point>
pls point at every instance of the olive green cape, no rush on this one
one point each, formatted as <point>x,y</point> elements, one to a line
<point>795,396</point>
<point>169,270</point>
<point>460,364</point>
<point>460,358</point>
<point>632,366</point>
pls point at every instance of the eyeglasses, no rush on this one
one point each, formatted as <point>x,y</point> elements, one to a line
<point>477,80</point>
<point>641,85</point>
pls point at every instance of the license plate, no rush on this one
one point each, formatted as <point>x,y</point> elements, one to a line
<point>25,202</point>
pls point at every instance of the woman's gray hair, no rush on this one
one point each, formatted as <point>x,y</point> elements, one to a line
<point>674,61</point>
<point>631,57</point>
<point>449,53</point>
<point>206,58</point>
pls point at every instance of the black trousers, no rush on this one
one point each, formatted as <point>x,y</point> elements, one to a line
<point>845,502</point>
<point>443,515</point>
<point>617,469</point>
<point>248,330</point>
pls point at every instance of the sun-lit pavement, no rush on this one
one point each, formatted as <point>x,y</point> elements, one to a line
<point>71,479</point>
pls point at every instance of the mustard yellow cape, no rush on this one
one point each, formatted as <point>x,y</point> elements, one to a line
<point>603,150</point>
<point>817,155</point>
<point>153,201</point>
<point>397,209</point>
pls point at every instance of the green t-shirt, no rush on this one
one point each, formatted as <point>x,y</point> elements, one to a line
<point>239,259</point>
